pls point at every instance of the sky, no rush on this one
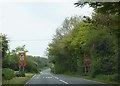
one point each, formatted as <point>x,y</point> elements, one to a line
<point>33,22</point>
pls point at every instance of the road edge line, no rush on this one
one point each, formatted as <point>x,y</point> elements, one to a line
<point>63,81</point>
<point>29,80</point>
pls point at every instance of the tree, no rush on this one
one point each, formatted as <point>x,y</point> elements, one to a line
<point>4,42</point>
<point>19,48</point>
<point>60,50</point>
<point>95,37</point>
<point>106,14</point>
<point>102,7</point>
<point>105,19</point>
<point>4,48</point>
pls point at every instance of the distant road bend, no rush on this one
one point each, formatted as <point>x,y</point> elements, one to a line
<point>47,78</point>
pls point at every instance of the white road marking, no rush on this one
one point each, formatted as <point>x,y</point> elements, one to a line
<point>30,79</point>
<point>63,81</point>
<point>37,77</point>
<point>56,78</point>
<point>48,77</point>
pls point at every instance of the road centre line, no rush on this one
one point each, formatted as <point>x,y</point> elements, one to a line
<point>56,77</point>
<point>48,77</point>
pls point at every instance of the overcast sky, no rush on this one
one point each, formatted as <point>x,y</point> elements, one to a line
<point>34,23</point>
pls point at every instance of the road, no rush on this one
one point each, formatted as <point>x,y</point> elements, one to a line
<point>47,78</point>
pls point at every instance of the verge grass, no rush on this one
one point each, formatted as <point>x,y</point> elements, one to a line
<point>18,80</point>
<point>100,78</point>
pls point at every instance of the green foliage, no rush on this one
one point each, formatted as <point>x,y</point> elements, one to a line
<point>102,7</point>
<point>10,59</point>
<point>19,48</point>
<point>18,81</point>
<point>113,77</point>
<point>41,61</point>
<point>35,64</point>
<point>7,73</point>
<point>4,47</point>
<point>31,65</point>
<point>96,37</point>
<point>61,52</point>
<point>20,74</point>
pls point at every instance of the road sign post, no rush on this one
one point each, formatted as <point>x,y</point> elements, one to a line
<point>21,60</point>
<point>86,62</point>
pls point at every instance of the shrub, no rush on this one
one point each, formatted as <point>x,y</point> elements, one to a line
<point>113,77</point>
<point>20,74</point>
<point>7,73</point>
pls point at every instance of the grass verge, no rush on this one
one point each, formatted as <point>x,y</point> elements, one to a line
<point>99,78</point>
<point>18,80</point>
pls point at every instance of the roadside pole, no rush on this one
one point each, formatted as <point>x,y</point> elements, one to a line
<point>85,70</point>
<point>23,69</point>
<point>21,61</point>
<point>86,63</point>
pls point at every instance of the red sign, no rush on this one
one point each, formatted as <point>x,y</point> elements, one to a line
<point>21,59</point>
<point>86,60</point>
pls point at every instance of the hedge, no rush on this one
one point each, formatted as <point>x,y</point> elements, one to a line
<point>7,74</point>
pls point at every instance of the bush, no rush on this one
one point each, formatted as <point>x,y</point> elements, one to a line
<point>7,73</point>
<point>31,67</point>
<point>112,77</point>
<point>20,74</point>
